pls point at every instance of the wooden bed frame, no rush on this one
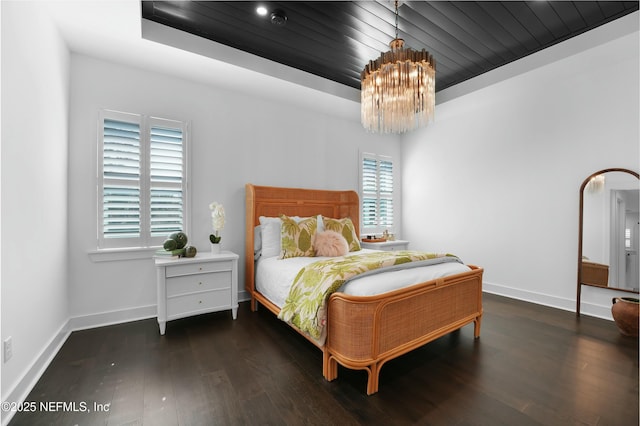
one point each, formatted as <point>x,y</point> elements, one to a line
<point>366,332</point>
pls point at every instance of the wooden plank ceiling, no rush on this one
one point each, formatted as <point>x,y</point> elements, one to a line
<point>335,40</point>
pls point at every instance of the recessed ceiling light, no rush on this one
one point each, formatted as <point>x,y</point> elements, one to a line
<point>262,11</point>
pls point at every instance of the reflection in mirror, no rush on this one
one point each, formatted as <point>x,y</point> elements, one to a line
<point>609,243</point>
<point>610,231</point>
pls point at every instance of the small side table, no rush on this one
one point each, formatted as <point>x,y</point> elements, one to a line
<point>195,285</point>
<point>387,245</point>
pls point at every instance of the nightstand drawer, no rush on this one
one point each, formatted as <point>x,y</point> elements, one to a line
<point>199,282</point>
<point>198,268</point>
<point>189,304</point>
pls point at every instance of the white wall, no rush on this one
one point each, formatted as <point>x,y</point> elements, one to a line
<point>235,139</point>
<point>496,178</point>
<point>34,191</point>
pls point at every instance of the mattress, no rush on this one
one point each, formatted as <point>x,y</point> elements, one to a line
<point>274,277</point>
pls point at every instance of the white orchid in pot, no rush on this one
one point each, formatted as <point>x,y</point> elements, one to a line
<point>217,222</point>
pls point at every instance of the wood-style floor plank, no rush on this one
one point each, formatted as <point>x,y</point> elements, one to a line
<point>532,365</point>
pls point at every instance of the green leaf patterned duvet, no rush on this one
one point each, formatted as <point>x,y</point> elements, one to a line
<point>305,306</point>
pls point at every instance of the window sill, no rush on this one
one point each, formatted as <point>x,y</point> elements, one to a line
<point>119,254</point>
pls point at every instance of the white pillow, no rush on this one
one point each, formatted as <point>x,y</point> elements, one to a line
<point>270,227</point>
<point>271,234</point>
<point>257,242</point>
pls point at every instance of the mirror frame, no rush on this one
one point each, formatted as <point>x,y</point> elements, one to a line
<point>580,234</point>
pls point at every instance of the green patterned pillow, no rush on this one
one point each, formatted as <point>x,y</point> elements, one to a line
<point>297,236</point>
<point>346,229</point>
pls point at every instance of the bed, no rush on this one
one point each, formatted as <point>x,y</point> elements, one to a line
<point>364,332</point>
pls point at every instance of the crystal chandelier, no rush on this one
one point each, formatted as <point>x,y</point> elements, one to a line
<point>595,185</point>
<point>398,89</point>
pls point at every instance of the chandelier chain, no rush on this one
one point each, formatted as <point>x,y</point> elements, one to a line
<point>396,18</point>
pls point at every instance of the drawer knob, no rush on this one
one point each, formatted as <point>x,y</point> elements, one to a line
<point>199,301</point>
<point>200,283</point>
<point>200,268</point>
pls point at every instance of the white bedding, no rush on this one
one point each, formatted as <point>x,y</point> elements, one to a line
<point>274,277</point>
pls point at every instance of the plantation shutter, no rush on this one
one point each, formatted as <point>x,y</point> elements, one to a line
<point>385,195</point>
<point>121,179</point>
<point>376,192</point>
<point>167,169</point>
<point>369,192</point>
<point>142,180</point>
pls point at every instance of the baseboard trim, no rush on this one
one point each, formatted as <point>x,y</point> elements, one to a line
<point>21,389</point>
<point>103,319</point>
<point>587,308</point>
<point>243,296</point>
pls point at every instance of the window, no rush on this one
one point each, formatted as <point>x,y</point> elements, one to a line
<point>376,192</point>
<point>142,180</point>
<point>627,238</point>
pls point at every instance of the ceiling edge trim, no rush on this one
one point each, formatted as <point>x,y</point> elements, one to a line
<point>163,34</point>
<point>621,27</point>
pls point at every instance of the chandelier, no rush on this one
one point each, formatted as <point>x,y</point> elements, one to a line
<point>398,89</point>
<point>595,185</point>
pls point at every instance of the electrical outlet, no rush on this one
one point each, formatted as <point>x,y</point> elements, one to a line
<point>8,349</point>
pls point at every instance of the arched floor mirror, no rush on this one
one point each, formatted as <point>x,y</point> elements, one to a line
<point>609,232</point>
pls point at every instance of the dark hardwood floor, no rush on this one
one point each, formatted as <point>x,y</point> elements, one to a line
<point>531,366</point>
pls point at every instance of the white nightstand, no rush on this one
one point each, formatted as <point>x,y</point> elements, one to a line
<point>195,285</point>
<point>386,245</point>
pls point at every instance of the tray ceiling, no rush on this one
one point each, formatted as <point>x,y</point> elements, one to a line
<point>334,40</point>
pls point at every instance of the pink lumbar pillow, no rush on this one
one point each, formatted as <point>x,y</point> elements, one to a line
<point>330,244</point>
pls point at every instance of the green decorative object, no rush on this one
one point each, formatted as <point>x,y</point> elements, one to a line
<point>170,245</point>
<point>180,238</point>
<point>190,251</point>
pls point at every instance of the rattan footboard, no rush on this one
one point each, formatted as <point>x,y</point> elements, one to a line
<point>365,332</point>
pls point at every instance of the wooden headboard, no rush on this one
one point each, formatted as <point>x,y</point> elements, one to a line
<point>272,201</point>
